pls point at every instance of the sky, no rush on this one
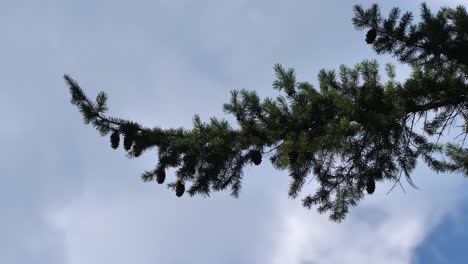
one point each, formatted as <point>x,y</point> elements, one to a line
<point>67,197</point>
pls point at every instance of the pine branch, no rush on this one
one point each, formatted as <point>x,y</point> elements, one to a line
<point>353,132</point>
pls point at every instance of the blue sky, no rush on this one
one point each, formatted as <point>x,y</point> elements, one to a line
<point>67,197</point>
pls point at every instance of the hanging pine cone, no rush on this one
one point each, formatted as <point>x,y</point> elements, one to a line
<point>256,157</point>
<point>371,35</point>
<point>291,91</point>
<point>292,157</point>
<point>115,139</point>
<point>137,152</point>
<point>370,186</point>
<point>193,170</point>
<point>128,141</point>
<point>138,145</point>
<point>160,176</point>
<point>179,189</point>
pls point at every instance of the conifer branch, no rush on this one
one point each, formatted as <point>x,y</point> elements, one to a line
<point>351,134</point>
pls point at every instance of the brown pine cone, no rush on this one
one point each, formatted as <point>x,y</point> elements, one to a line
<point>115,139</point>
<point>180,188</point>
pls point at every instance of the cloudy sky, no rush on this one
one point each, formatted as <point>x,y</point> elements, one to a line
<point>67,197</point>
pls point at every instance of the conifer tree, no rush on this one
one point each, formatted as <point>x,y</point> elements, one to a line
<point>353,132</point>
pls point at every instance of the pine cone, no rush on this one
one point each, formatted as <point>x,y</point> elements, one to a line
<point>256,157</point>
<point>180,189</point>
<point>193,171</point>
<point>137,152</point>
<point>115,139</point>
<point>293,155</point>
<point>291,92</point>
<point>160,176</point>
<point>138,145</point>
<point>128,141</point>
<point>370,186</point>
<point>371,35</point>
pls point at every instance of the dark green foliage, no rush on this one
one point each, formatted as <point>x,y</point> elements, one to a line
<point>348,135</point>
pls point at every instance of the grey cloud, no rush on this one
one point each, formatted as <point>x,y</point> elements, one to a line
<point>66,197</point>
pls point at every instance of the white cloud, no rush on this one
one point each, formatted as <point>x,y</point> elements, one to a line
<point>382,229</point>
<point>155,226</point>
<point>151,225</point>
